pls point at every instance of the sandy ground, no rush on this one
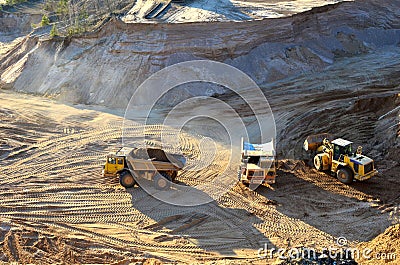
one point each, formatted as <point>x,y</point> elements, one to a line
<point>54,153</point>
<point>56,206</point>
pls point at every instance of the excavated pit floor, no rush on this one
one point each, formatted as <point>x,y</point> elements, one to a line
<point>55,203</point>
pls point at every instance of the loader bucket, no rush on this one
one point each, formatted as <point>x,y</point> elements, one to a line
<point>314,141</point>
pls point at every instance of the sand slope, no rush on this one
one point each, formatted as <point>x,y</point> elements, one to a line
<point>105,67</point>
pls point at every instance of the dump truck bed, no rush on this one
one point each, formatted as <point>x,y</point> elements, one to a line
<point>149,159</point>
<point>149,165</point>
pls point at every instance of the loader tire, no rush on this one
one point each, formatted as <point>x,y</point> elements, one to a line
<point>162,181</point>
<point>318,163</point>
<point>345,175</point>
<point>126,179</point>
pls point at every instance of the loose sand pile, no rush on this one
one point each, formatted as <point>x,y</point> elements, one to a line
<point>385,247</point>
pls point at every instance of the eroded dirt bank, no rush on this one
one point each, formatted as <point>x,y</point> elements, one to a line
<point>107,66</point>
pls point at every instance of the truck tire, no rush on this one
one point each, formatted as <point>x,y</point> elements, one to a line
<point>162,181</point>
<point>126,179</point>
<point>318,163</point>
<point>345,175</point>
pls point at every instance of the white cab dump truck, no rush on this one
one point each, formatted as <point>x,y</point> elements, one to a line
<point>258,164</point>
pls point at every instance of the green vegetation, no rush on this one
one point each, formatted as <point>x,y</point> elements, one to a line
<point>71,16</point>
<point>54,31</point>
<point>62,8</point>
<point>73,30</point>
<point>74,16</point>
<point>45,21</point>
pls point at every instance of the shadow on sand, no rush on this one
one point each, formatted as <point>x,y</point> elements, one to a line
<point>211,227</point>
<point>337,211</point>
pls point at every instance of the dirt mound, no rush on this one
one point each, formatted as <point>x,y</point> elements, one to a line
<point>385,248</point>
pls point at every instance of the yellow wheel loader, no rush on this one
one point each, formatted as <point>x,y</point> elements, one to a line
<point>148,163</point>
<point>339,158</point>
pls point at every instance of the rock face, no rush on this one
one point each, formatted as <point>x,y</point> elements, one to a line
<point>16,21</point>
<point>19,24</point>
<point>106,66</point>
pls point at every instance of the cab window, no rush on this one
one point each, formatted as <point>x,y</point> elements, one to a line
<point>111,160</point>
<point>253,159</point>
<point>348,150</point>
<point>336,152</point>
<point>120,161</point>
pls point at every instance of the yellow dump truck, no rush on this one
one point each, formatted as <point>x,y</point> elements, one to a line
<point>148,163</point>
<point>338,157</point>
<point>258,165</point>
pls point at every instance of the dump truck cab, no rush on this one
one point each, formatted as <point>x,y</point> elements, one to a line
<point>114,164</point>
<point>258,165</point>
<point>258,169</point>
